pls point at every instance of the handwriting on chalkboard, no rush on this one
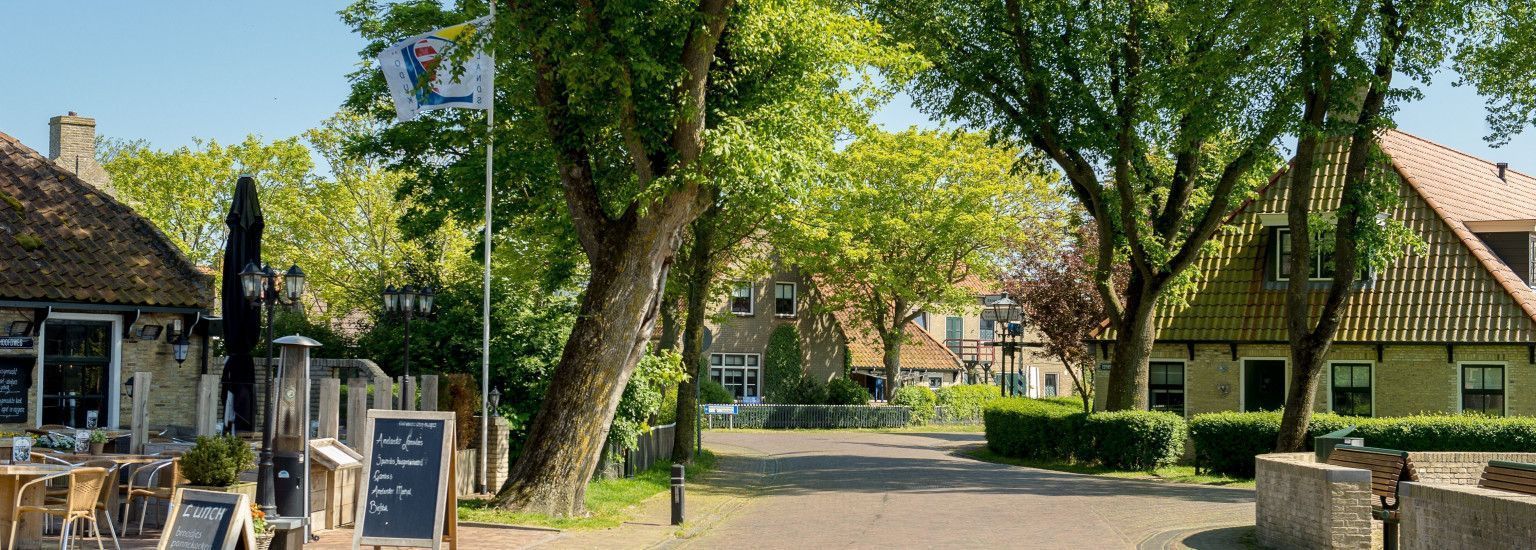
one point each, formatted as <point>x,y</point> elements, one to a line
<point>405,476</point>
<point>15,380</point>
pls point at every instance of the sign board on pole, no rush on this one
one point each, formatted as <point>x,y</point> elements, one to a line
<point>719,409</point>
<point>410,470</point>
<point>208,520</point>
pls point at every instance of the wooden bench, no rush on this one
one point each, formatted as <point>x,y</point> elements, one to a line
<point>1388,468</point>
<point>1517,477</point>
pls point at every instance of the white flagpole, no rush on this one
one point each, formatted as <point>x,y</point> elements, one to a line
<point>485,306</point>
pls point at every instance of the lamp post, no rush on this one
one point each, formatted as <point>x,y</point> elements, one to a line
<point>408,300</point>
<point>1007,312</point>
<point>259,285</point>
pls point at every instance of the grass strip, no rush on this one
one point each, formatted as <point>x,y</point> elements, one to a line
<point>610,502</point>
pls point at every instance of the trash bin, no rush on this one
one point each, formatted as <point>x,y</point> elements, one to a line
<point>288,483</point>
<point>1323,445</point>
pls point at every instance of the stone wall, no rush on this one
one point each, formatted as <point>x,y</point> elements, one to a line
<point>1458,468</point>
<point>1458,516</point>
<point>1303,504</point>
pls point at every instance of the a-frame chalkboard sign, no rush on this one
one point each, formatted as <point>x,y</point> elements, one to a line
<point>410,470</point>
<point>208,520</point>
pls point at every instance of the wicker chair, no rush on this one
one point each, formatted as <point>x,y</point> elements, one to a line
<point>159,481</point>
<point>103,504</point>
<point>85,485</point>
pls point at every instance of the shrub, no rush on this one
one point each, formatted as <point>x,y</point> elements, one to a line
<point>805,391</point>
<point>1068,400</point>
<point>783,368</point>
<point>1227,442</point>
<point>919,399</point>
<point>711,391</point>
<point>964,403</point>
<point>1029,428</point>
<point>1134,440</point>
<point>216,461</point>
<point>842,391</point>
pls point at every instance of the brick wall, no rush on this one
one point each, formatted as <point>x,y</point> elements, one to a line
<point>820,341</point>
<point>1459,516</point>
<point>1303,504</point>
<point>1458,468</point>
<point>72,146</point>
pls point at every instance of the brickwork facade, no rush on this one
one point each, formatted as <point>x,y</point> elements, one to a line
<point>1408,379</point>
<point>173,388</point>
<point>72,146</point>
<point>821,343</point>
<point>1302,504</point>
<point>1460,516</point>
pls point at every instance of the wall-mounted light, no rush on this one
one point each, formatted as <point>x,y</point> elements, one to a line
<point>179,349</point>
<point>174,330</point>
<point>149,332</point>
<point>19,328</point>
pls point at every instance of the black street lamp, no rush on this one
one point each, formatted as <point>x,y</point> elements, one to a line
<point>409,301</point>
<point>259,285</point>
<point>1007,312</point>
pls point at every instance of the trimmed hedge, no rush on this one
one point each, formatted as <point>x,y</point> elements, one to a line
<point>1040,429</point>
<point>919,399</point>
<point>1227,442</point>
<point>1067,400</point>
<point>842,391</point>
<point>711,391</point>
<point>964,403</point>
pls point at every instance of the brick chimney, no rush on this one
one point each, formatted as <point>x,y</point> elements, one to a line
<point>72,146</point>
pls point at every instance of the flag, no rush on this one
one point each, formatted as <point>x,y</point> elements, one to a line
<point>409,61</point>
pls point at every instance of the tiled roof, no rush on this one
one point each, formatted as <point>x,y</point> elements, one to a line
<point>980,286</point>
<point>62,240</point>
<point>919,352</point>
<point>1457,291</point>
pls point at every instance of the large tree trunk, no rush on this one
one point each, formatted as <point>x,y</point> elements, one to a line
<point>1134,336</point>
<point>890,344</point>
<point>670,327</point>
<point>618,311</point>
<point>700,268</point>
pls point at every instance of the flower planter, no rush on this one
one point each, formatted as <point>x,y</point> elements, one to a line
<point>96,448</point>
<point>247,488</point>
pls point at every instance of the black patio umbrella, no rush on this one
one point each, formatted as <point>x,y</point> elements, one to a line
<point>242,319</point>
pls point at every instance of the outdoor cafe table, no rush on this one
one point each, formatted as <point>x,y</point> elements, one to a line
<point>126,463</point>
<point>29,534</point>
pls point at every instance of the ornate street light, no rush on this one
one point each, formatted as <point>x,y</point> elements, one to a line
<point>408,301</point>
<point>1007,312</point>
<point>259,285</point>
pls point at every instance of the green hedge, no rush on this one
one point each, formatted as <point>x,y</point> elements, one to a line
<point>712,392</point>
<point>919,399</point>
<point>964,403</point>
<point>1227,442</point>
<point>1046,430</point>
<point>1068,400</point>
<point>842,391</point>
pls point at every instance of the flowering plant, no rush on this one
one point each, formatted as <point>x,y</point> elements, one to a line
<point>258,520</point>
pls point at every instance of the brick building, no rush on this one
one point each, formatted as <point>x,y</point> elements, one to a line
<point>972,339</point>
<point>90,293</point>
<point>1451,329</point>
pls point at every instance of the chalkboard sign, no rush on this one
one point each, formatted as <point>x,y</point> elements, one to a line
<point>15,381</point>
<point>208,520</point>
<point>410,459</point>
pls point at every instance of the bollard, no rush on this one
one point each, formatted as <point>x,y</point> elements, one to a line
<point>677,494</point>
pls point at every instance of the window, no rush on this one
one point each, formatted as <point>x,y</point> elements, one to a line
<point>1482,389</point>
<point>741,299</point>
<point>922,319</point>
<point>784,299</point>
<point>988,330</point>
<point>78,372</point>
<point>1050,385</point>
<point>738,372</point>
<point>1165,387</point>
<point>935,382</point>
<point>1321,266</point>
<point>1352,389</point>
<point>954,330</point>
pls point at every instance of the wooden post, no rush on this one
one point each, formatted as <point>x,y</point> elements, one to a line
<point>140,423</point>
<point>208,404</point>
<point>383,393</point>
<point>330,408</point>
<point>429,392</point>
<point>408,393</point>
<point>357,410</point>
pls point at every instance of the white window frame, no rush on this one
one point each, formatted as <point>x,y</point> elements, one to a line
<point>1046,386</point>
<point>1372,365</point>
<point>935,382</point>
<point>114,367</point>
<point>794,299</point>
<point>1185,384</point>
<point>751,301</point>
<point>1242,380</point>
<point>1318,260</point>
<point>744,367</point>
<point>1461,379</point>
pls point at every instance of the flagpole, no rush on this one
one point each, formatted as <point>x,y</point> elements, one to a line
<point>485,306</point>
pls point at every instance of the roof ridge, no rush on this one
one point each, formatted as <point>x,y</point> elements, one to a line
<point>1448,148</point>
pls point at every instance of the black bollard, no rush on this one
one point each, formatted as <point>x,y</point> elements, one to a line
<point>677,494</point>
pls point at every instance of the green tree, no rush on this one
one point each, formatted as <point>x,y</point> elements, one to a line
<point>1161,115</point>
<point>901,219</point>
<point>616,119</point>
<point>783,363</point>
<point>1351,53</point>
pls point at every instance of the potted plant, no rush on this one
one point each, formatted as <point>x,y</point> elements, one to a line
<point>214,463</point>
<point>98,440</point>
<point>259,526</point>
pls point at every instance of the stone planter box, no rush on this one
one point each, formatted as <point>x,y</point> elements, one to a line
<point>247,488</point>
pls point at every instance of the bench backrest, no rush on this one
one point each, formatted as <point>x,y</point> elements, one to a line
<point>1517,477</point>
<point>1388,467</point>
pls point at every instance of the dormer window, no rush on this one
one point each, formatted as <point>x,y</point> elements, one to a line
<point>1319,269</point>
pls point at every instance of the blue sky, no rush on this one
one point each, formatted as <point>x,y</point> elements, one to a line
<point>170,70</point>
